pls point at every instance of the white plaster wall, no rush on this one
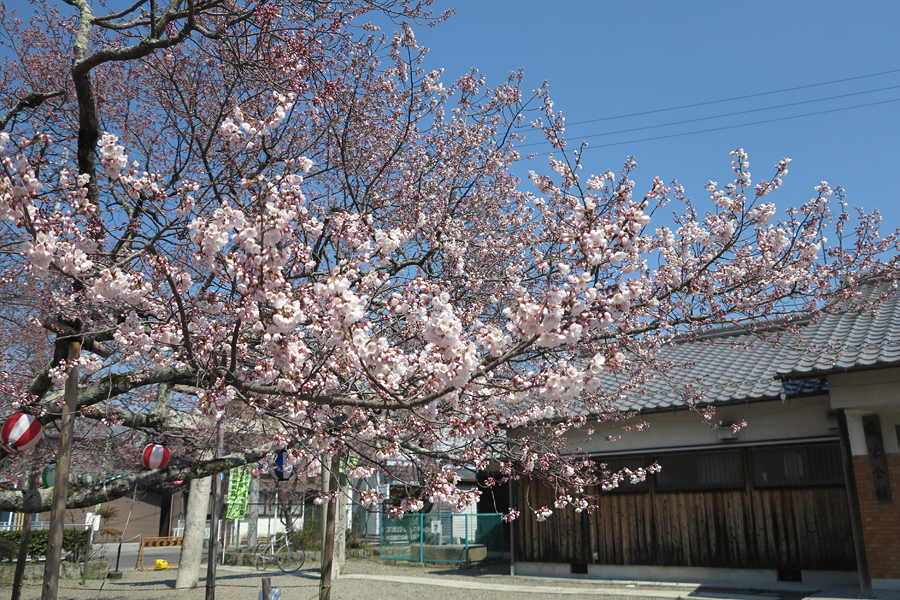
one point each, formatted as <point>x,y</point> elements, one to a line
<point>865,389</point>
<point>890,420</point>
<point>795,419</point>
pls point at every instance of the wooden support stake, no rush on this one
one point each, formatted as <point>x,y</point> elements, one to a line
<point>267,588</point>
<point>50,590</point>
<point>330,519</point>
<point>213,553</point>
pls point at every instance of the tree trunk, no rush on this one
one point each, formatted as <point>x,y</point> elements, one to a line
<point>50,590</point>
<point>253,513</point>
<point>23,543</point>
<point>194,529</point>
<point>329,483</point>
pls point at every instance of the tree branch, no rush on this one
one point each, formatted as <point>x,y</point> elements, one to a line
<point>31,101</point>
<point>35,501</point>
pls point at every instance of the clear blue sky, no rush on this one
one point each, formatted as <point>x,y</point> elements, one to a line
<point>604,59</point>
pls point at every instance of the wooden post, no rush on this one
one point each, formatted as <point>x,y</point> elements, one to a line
<point>267,588</point>
<point>330,519</point>
<point>213,553</point>
<point>50,590</point>
<point>512,532</point>
<point>859,544</point>
<point>23,545</point>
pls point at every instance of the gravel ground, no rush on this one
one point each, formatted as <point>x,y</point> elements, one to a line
<point>365,579</point>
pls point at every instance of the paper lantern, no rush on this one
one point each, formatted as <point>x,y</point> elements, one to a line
<point>20,432</point>
<point>280,470</point>
<point>48,475</point>
<point>156,456</point>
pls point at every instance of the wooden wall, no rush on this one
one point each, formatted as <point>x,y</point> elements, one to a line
<point>769,528</point>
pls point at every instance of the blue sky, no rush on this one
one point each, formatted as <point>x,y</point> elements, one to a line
<point>604,59</point>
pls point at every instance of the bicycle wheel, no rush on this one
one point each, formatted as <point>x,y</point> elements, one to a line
<point>262,557</point>
<point>290,559</point>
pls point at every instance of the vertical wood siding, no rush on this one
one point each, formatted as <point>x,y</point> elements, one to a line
<point>767,528</point>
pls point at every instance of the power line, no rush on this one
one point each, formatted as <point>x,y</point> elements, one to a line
<point>731,114</point>
<point>686,133</point>
<point>757,95</point>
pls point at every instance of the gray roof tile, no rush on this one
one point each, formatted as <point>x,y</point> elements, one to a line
<point>734,364</point>
<point>858,336</point>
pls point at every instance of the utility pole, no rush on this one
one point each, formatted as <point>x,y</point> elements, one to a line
<point>212,555</point>
<point>49,590</point>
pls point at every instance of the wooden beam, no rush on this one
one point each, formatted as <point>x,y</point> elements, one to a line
<point>859,544</point>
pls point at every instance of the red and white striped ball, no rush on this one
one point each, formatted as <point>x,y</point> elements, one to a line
<point>156,456</point>
<point>20,432</point>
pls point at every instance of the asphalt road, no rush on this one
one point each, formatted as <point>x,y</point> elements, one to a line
<point>131,555</point>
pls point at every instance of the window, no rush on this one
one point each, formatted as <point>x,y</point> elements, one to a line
<point>700,471</point>
<point>818,464</point>
<point>616,464</point>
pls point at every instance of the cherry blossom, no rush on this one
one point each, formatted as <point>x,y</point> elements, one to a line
<point>308,235</point>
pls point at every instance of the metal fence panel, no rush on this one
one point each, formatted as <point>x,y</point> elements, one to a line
<point>443,538</point>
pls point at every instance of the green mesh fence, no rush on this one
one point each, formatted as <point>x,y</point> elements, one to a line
<point>443,538</point>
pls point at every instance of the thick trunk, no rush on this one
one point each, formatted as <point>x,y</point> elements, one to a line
<point>194,529</point>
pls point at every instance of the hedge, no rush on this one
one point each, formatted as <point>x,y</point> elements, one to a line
<point>74,540</point>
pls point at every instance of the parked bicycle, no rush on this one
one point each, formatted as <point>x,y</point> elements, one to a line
<point>280,552</point>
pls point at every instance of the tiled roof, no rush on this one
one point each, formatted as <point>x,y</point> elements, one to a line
<point>853,338</point>
<point>730,364</point>
<point>734,364</point>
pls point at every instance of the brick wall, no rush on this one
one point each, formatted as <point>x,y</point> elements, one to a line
<point>880,520</point>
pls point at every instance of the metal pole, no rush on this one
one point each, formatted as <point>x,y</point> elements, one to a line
<point>421,538</point>
<point>859,544</point>
<point>87,554</point>
<point>330,520</point>
<point>467,538</point>
<point>118,554</point>
<point>214,521</point>
<point>50,589</point>
<point>24,538</point>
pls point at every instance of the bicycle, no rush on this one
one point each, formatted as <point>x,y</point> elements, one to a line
<point>280,552</point>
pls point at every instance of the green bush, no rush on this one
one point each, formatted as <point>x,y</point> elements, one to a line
<point>73,541</point>
<point>310,537</point>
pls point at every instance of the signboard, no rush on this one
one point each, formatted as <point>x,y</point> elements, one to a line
<point>92,520</point>
<point>238,492</point>
<point>436,526</point>
<point>878,466</point>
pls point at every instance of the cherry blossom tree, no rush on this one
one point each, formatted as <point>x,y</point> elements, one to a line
<point>276,217</point>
